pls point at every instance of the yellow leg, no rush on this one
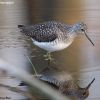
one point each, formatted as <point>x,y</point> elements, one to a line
<point>48,57</point>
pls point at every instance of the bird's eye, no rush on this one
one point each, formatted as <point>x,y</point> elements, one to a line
<point>84,93</point>
<point>82,29</point>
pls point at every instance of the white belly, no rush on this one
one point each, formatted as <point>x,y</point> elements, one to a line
<point>51,47</point>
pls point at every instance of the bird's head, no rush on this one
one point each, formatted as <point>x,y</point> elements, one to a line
<point>82,28</point>
<point>83,93</point>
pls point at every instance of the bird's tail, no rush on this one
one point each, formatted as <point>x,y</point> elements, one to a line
<point>20,26</point>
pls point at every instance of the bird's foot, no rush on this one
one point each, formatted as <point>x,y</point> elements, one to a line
<point>48,58</point>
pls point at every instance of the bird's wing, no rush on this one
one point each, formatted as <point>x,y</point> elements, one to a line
<point>40,32</point>
<point>54,77</point>
<point>48,81</point>
<point>48,76</point>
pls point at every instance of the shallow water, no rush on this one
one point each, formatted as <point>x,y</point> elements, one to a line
<point>81,57</point>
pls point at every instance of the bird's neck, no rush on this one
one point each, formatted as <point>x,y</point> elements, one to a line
<point>73,31</point>
<point>70,30</point>
<point>74,28</point>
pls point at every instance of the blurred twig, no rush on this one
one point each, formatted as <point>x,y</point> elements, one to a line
<point>15,89</point>
<point>32,65</point>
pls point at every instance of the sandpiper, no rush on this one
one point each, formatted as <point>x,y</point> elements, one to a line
<point>63,82</point>
<point>53,36</point>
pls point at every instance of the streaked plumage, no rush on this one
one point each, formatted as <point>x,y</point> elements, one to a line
<point>64,83</point>
<point>53,36</point>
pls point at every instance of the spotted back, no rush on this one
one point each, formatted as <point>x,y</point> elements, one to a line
<point>43,32</point>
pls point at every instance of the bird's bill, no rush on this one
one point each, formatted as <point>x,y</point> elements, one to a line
<point>88,38</point>
<point>90,84</point>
